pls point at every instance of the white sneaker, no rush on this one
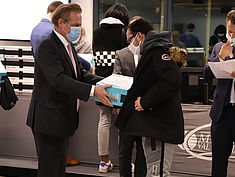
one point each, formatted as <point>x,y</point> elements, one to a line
<point>105,167</point>
<point>132,167</point>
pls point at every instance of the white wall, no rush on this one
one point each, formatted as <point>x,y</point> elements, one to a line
<point>87,22</point>
<point>87,17</point>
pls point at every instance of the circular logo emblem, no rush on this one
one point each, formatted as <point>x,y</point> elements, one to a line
<point>197,143</point>
<point>166,57</point>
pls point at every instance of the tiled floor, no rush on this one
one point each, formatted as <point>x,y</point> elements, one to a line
<point>82,169</point>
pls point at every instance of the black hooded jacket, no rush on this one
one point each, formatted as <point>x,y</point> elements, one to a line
<point>157,81</point>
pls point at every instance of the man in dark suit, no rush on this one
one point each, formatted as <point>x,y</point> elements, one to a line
<point>40,32</point>
<point>222,111</point>
<point>59,83</point>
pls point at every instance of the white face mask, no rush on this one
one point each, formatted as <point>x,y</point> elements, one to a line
<point>220,35</point>
<point>232,40</point>
<point>134,49</point>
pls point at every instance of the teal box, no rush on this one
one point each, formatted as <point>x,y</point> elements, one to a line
<point>3,72</point>
<point>120,85</point>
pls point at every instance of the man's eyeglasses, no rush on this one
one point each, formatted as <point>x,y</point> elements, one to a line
<point>129,39</point>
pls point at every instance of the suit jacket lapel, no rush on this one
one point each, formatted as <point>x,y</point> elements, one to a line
<point>65,53</point>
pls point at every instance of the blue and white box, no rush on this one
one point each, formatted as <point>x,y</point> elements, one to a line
<point>3,72</point>
<point>120,85</point>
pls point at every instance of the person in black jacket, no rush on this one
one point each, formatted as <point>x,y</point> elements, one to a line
<point>108,38</point>
<point>218,36</point>
<point>152,106</point>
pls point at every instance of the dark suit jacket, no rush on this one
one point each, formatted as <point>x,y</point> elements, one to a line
<point>223,88</point>
<point>53,107</point>
<point>124,62</point>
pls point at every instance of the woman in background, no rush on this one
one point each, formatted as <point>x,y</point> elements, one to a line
<point>108,38</point>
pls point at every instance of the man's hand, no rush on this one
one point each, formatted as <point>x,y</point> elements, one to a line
<point>225,50</point>
<point>138,107</point>
<point>103,95</point>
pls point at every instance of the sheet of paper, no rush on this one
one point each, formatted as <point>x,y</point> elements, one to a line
<point>118,81</point>
<point>222,70</point>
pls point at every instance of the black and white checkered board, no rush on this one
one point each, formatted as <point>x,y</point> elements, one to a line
<point>104,58</point>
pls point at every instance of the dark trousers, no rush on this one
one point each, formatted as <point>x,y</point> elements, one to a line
<point>126,143</point>
<point>51,152</point>
<point>223,136</point>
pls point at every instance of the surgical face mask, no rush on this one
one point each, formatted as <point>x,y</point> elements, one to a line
<point>75,32</point>
<point>220,34</point>
<point>134,49</point>
<point>232,40</point>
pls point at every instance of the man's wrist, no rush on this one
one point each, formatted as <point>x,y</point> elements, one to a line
<point>221,58</point>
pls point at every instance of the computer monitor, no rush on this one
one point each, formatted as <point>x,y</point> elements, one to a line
<point>196,57</point>
<point>195,89</point>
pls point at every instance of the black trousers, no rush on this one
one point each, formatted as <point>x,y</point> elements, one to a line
<point>51,152</point>
<point>126,143</point>
<point>223,136</point>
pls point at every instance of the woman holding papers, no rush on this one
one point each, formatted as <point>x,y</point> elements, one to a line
<point>223,110</point>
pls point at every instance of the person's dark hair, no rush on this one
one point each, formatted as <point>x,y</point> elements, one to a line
<point>64,11</point>
<point>231,16</point>
<point>52,7</point>
<point>118,11</point>
<point>140,25</point>
<point>191,26</point>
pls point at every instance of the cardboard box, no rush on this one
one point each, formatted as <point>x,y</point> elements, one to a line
<point>120,85</point>
<point>3,72</point>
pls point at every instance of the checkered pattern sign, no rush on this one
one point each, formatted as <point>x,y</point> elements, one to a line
<point>104,58</point>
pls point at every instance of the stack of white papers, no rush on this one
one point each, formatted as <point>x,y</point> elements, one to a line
<point>120,85</point>
<point>223,69</point>
<point>118,81</point>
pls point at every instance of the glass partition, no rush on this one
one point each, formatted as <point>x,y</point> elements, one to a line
<point>206,15</point>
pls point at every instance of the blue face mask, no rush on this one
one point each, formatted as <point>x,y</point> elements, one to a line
<point>75,32</point>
